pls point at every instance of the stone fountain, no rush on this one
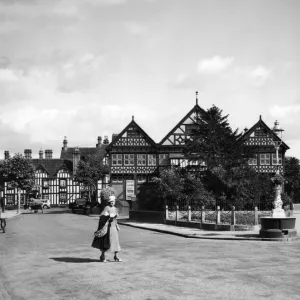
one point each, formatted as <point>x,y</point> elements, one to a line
<point>278,226</point>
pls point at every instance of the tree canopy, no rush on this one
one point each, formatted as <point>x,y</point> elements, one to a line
<point>89,172</point>
<point>292,174</point>
<point>18,171</point>
<point>215,143</point>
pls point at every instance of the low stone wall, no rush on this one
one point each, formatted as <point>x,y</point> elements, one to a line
<point>210,226</point>
<point>147,216</point>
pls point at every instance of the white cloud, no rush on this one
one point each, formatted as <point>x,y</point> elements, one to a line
<point>260,75</point>
<point>8,75</point>
<point>215,64</point>
<point>106,2</point>
<point>135,28</point>
<point>278,111</point>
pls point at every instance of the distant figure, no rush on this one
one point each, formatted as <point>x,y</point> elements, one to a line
<point>111,239</point>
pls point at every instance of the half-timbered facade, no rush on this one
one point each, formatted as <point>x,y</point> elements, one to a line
<point>54,178</point>
<point>262,137</point>
<point>134,159</point>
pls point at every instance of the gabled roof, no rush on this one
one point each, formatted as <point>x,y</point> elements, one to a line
<point>132,135</point>
<point>52,166</point>
<point>267,134</point>
<point>84,152</point>
<point>193,117</point>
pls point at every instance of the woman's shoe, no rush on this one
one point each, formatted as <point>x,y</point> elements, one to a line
<point>102,259</point>
<point>117,259</point>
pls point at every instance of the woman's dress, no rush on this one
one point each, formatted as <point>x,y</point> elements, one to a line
<point>113,230</point>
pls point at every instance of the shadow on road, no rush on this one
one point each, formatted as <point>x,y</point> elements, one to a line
<point>75,259</point>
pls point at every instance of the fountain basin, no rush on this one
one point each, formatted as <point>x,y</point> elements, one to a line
<point>277,228</point>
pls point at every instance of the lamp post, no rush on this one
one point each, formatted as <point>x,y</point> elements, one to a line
<point>277,133</point>
<point>277,179</point>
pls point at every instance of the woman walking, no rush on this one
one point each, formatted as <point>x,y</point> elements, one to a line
<point>111,239</point>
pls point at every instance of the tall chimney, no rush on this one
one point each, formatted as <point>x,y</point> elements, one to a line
<point>41,154</point>
<point>65,143</point>
<point>48,154</point>
<point>76,158</point>
<point>6,154</point>
<point>27,153</point>
<point>99,141</point>
<point>105,141</point>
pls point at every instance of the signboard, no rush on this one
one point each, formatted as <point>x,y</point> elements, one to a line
<point>130,195</point>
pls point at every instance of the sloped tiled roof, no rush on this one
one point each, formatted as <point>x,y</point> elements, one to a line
<point>52,166</point>
<point>262,124</point>
<point>132,124</point>
<point>84,151</point>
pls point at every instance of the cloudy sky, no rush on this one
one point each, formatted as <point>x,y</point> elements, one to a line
<point>83,68</point>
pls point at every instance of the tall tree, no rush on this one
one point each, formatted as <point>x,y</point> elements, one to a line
<point>19,172</point>
<point>89,172</point>
<point>215,143</point>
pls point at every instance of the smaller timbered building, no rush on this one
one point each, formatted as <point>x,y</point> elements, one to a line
<point>55,176</point>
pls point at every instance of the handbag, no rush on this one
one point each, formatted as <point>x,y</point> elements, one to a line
<point>101,232</point>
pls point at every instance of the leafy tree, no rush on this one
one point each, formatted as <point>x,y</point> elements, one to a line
<point>88,172</point>
<point>224,153</point>
<point>175,186</point>
<point>19,172</point>
<point>292,175</point>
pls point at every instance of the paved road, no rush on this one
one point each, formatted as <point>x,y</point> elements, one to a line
<point>48,256</point>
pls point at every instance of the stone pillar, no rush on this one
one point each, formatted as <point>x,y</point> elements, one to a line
<point>166,213</point>
<point>255,216</point>
<point>176,214</point>
<point>232,223</point>
<point>189,216</point>
<point>202,216</point>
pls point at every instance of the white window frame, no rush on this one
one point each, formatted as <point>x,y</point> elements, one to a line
<point>151,159</point>
<point>162,157</point>
<point>117,179</point>
<point>116,159</point>
<point>274,159</point>
<point>141,159</point>
<point>128,159</point>
<point>141,178</point>
<point>264,159</point>
<point>252,161</point>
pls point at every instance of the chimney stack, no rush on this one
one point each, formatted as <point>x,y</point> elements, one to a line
<point>76,158</point>
<point>105,141</point>
<point>41,154</point>
<point>65,143</point>
<point>6,154</point>
<point>48,154</point>
<point>27,153</point>
<point>99,141</point>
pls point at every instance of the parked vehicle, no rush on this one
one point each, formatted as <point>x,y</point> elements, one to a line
<point>35,205</point>
<point>46,203</point>
<point>80,205</point>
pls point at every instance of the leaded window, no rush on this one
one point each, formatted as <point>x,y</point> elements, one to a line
<point>151,160</point>
<point>63,183</point>
<point>117,159</point>
<point>253,160</point>
<point>274,162</point>
<point>264,159</point>
<point>141,178</point>
<point>141,159</point>
<point>128,159</point>
<point>162,158</point>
